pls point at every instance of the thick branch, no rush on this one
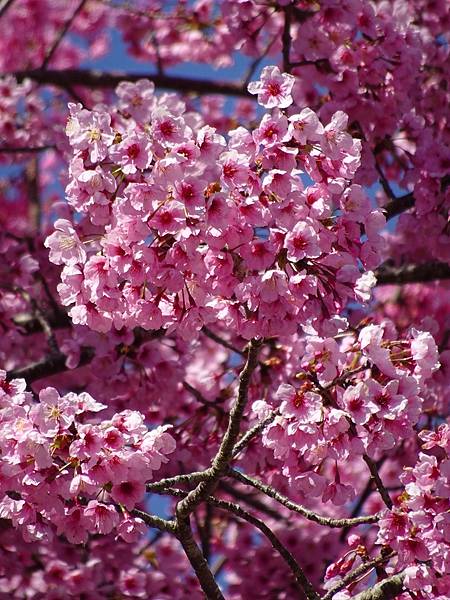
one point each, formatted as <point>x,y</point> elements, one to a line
<point>398,206</point>
<point>49,366</point>
<point>305,512</point>
<point>189,478</point>
<point>388,589</point>
<point>154,521</point>
<point>224,455</point>
<point>105,79</point>
<point>430,271</point>
<point>356,574</point>
<point>197,560</point>
<point>23,149</point>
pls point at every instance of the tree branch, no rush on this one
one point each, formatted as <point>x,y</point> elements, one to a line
<point>373,468</point>
<point>20,149</point>
<point>297,571</point>
<point>287,39</point>
<point>49,55</point>
<point>431,271</point>
<point>388,589</point>
<point>356,574</point>
<point>301,510</point>
<point>209,585</point>
<point>49,366</point>
<point>398,206</point>
<point>224,454</point>
<point>251,500</point>
<point>105,79</point>
<point>154,521</point>
<point>189,478</point>
<point>216,338</point>
<point>251,433</point>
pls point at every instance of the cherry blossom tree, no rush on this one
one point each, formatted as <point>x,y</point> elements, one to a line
<point>224,302</point>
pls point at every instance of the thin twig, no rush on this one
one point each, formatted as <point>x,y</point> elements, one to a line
<point>65,28</point>
<point>188,479</point>
<point>154,521</point>
<point>300,577</point>
<point>258,60</point>
<point>216,338</point>
<point>287,39</point>
<point>251,433</point>
<point>373,468</point>
<point>251,500</point>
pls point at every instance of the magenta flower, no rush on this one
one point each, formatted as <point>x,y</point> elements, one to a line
<point>302,242</point>
<point>132,153</point>
<point>304,407</point>
<point>128,493</point>
<point>104,516</point>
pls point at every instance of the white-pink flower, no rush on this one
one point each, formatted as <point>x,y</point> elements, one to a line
<point>274,88</point>
<point>65,245</point>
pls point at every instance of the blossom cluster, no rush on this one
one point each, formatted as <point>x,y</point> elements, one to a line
<point>418,527</point>
<point>362,397</point>
<point>61,468</point>
<point>185,227</point>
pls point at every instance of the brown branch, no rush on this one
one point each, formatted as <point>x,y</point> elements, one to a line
<point>154,521</point>
<point>65,28</point>
<point>300,577</point>
<point>287,39</point>
<point>301,510</point>
<point>388,589</point>
<point>200,398</point>
<point>4,5</point>
<point>216,338</point>
<point>357,573</point>
<point>385,183</point>
<point>51,365</point>
<point>44,323</point>
<point>251,433</point>
<point>398,206</point>
<point>225,452</point>
<point>373,468</point>
<point>24,149</point>
<point>258,60</point>
<point>187,479</point>
<point>104,79</point>
<point>431,271</point>
<point>30,324</point>
<point>251,500</point>
<point>209,585</point>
